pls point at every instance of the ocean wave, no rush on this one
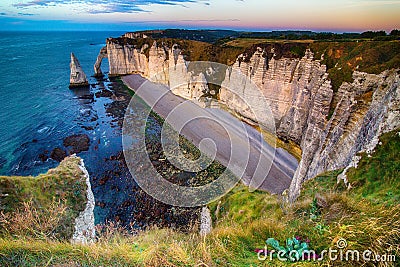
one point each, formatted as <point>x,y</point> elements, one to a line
<point>43,130</point>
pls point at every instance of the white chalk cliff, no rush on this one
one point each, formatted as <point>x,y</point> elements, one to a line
<point>300,95</point>
<point>298,92</point>
<point>85,232</point>
<point>97,66</point>
<point>162,65</point>
<point>78,77</point>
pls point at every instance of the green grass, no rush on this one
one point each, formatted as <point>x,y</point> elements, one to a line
<point>381,183</point>
<point>367,216</point>
<point>61,190</point>
<point>342,58</point>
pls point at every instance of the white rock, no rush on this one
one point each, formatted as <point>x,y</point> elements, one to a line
<point>84,224</point>
<point>206,222</point>
<point>78,77</point>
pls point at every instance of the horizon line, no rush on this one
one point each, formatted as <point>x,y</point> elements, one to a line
<point>194,29</point>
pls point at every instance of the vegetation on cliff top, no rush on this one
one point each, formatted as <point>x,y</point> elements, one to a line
<point>44,206</point>
<point>342,56</point>
<point>367,216</point>
<point>218,36</point>
<point>192,50</point>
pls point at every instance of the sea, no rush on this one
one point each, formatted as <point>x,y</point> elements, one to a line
<point>38,111</point>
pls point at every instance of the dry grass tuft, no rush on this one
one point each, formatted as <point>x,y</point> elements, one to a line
<point>33,222</point>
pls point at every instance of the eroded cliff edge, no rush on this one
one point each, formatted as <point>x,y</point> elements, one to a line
<point>331,126</point>
<point>55,205</point>
<point>300,95</point>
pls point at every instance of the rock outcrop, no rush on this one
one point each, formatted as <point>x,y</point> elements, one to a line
<point>97,66</point>
<point>78,77</point>
<point>205,221</point>
<point>77,143</point>
<point>85,232</point>
<point>366,108</point>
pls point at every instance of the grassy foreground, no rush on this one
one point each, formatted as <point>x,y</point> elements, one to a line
<point>43,207</point>
<point>366,216</point>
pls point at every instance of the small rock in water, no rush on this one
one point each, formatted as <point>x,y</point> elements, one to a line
<point>88,128</point>
<point>101,204</point>
<point>104,93</point>
<point>43,157</point>
<point>79,143</point>
<point>85,112</point>
<point>88,97</point>
<point>58,154</point>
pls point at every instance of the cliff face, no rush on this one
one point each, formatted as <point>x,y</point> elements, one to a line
<point>293,88</point>
<point>84,228</point>
<point>126,59</point>
<point>161,64</point>
<point>183,82</point>
<point>300,95</point>
<point>158,64</point>
<point>298,92</point>
<point>367,108</point>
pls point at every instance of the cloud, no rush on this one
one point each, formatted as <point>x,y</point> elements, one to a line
<point>180,21</point>
<point>208,20</point>
<point>25,14</point>
<point>107,6</point>
<point>372,3</point>
<point>39,3</point>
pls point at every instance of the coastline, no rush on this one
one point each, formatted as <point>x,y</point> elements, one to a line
<point>114,221</point>
<point>261,155</point>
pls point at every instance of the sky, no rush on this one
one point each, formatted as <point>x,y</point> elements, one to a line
<point>261,15</point>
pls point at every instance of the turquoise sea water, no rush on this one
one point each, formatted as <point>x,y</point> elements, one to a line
<point>38,111</point>
<point>37,108</point>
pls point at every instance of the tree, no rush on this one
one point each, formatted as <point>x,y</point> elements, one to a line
<point>395,32</point>
<point>372,34</point>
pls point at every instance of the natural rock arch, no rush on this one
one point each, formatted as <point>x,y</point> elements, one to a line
<point>97,66</point>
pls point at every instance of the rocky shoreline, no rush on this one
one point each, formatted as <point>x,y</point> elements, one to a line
<point>118,198</point>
